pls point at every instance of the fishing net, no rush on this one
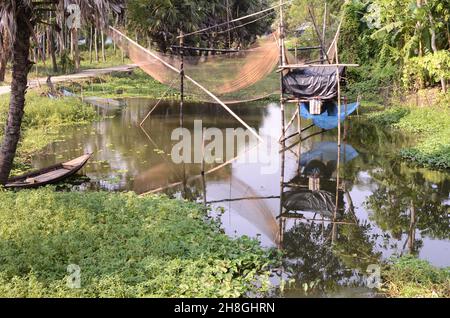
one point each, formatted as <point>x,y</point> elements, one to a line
<point>244,75</point>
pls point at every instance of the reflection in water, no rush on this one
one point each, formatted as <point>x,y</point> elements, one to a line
<point>327,248</point>
<point>383,207</point>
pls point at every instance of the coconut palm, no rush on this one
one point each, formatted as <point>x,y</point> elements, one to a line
<point>4,55</point>
<point>18,19</point>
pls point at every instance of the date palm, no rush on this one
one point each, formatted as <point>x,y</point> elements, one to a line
<point>18,19</point>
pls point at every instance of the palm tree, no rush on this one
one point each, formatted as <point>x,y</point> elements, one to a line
<point>18,19</point>
<point>4,54</point>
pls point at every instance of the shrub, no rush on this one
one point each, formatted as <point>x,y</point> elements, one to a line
<point>409,276</point>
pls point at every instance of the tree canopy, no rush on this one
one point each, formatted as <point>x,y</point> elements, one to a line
<point>162,21</point>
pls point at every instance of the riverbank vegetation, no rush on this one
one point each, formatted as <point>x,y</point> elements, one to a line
<point>409,276</point>
<point>124,245</point>
<point>42,121</point>
<point>42,69</point>
<point>431,127</point>
<point>135,83</point>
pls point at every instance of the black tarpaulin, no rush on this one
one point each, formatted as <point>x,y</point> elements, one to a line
<point>322,202</point>
<point>313,82</point>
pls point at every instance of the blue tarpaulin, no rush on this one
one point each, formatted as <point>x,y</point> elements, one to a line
<point>329,118</point>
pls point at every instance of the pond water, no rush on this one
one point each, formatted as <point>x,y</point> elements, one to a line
<point>384,207</point>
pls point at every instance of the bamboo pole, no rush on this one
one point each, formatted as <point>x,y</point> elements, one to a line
<point>282,64</point>
<point>181,76</point>
<point>245,198</point>
<point>203,168</point>
<point>283,131</point>
<point>322,45</point>
<point>300,217</point>
<point>297,133</point>
<point>324,24</point>
<point>338,80</point>
<point>290,122</point>
<point>289,66</point>
<point>157,104</point>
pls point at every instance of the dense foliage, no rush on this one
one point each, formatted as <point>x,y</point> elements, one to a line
<point>400,44</point>
<point>125,246</point>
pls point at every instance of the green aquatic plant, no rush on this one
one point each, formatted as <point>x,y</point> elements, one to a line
<point>430,125</point>
<point>124,245</point>
<point>389,116</point>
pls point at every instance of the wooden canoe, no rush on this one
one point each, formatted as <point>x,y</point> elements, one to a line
<point>48,175</point>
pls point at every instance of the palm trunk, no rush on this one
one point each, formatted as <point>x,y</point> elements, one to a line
<point>435,50</point>
<point>90,45</point>
<point>103,47</point>
<point>96,45</point>
<point>2,68</point>
<point>52,49</point>
<point>4,56</point>
<point>434,46</point>
<point>21,68</point>
<point>76,51</point>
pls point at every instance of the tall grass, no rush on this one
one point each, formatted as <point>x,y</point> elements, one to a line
<point>409,276</point>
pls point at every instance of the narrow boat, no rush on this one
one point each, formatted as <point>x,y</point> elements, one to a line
<point>49,175</point>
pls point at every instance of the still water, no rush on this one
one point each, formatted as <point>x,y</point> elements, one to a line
<point>384,207</point>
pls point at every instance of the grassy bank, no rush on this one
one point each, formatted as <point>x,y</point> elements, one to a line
<point>42,120</point>
<point>41,69</point>
<point>120,85</point>
<point>409,276</point>
<point>125,246</point>
<point>431,126</point>
<point>140,84</point>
